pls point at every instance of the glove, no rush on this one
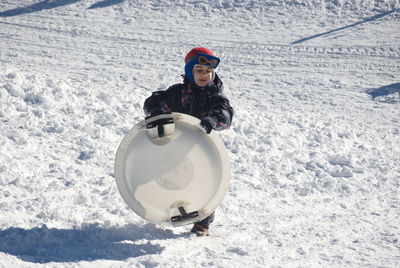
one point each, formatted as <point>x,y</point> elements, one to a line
<point>156,104</point>
<point>208,123</point>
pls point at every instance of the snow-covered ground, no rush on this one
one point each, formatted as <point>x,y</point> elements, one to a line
<point>314,146</point>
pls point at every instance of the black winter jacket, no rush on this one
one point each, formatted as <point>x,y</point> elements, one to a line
<point>190,99</point>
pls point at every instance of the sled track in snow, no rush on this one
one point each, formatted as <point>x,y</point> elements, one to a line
<point>60,42</point>
<point>359,58</point>
<point>118,52</point>
<point>337,50</point>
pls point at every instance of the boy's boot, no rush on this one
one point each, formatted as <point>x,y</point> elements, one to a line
<point>200,229</point>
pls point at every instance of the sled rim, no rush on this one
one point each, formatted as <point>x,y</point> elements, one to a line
<point>127,183</point>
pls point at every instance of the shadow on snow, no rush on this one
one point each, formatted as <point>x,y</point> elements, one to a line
<point>42,245</point>
<point>386,94</point>
<point>50,4</point>
<point>105,3</point>
<point>346,27</point>
<point>43,5</point>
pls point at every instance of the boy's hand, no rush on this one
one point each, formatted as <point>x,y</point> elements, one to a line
<point>208,123</point>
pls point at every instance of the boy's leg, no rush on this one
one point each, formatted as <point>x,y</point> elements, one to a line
<point>208,220</point>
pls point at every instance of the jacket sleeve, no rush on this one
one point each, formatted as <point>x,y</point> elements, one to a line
<point>160,102</point>
<point>221,111</point>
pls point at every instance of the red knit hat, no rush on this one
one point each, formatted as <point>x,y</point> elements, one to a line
<point>192,53</point>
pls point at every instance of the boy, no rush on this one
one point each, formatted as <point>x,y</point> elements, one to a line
<point>200,95</point>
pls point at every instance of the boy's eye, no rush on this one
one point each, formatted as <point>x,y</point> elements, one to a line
<point>200,71</point>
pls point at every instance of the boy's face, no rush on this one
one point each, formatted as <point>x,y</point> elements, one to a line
<point>202,75</point>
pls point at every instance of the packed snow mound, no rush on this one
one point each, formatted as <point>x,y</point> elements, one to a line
<point>248,9</point>
<point>268,4</point>
<point>228,8</point>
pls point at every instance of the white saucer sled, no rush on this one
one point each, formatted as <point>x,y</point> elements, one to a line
<point>169,170</point>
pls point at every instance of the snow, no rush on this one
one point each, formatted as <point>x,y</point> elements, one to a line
<point>314,146</point>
